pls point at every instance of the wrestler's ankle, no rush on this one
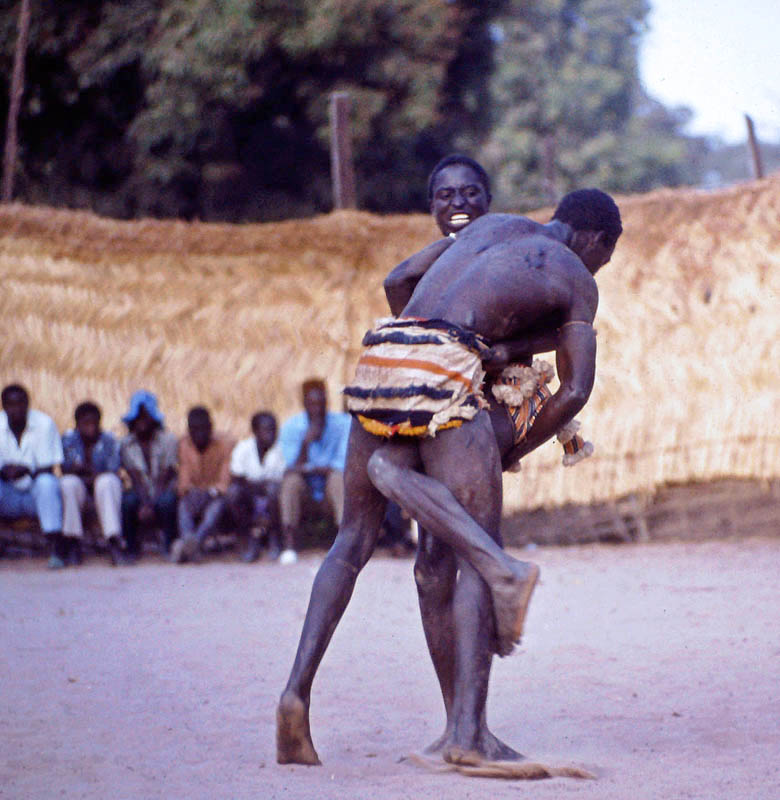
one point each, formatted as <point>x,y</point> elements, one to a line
<point>292,697</point>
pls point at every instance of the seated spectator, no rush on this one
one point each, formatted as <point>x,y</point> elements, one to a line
<point>30,448</point>
<point>396,531</point>
<point>149,456</point>
<point>314,445</point>
<point>204,477</point>
<point>90,467</point>
<point>256,469</point>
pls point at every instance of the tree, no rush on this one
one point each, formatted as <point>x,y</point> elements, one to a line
<point>218,109</point>
<point>17,89</point>
<point>567,106</point>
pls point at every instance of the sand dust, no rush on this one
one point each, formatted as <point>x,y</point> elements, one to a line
<point>655,666</point>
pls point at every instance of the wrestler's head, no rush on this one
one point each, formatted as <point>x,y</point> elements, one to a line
<point>595,219</point>
<point>458,192</point>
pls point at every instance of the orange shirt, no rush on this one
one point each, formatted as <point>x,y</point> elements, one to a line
<point>205,470</point>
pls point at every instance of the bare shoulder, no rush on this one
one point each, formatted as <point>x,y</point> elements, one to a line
<point>564,270</point>
<point>498,227</point>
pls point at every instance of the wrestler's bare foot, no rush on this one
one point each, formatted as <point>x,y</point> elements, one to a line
<point>462,757</point>
<point>439,744</point>
<point>293,737</point>
<point>511,597</point>
<point>489,748</point>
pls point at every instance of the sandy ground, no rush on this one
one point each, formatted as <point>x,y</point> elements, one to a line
<point>656,666</point>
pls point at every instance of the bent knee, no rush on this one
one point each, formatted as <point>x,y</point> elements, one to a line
<point>351,549</point>
<point>69,483</point>
<point>107,481</point>
<point>381,470</point>
<point>46,482</point>
<point>434,578</point>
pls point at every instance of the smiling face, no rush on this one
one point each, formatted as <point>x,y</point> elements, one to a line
<point>459,197</point>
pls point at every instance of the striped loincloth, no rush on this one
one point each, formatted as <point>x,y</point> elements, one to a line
<point>524,393</point>
<point>417,377</point>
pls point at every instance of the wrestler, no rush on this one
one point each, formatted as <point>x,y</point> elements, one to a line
<point>459,193</point>
<point>505,278</point>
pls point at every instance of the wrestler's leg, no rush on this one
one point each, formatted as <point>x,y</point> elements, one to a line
<point>434,506</point>
<point>465,461</point>
<point>364,508</point>
<point>435,573</point>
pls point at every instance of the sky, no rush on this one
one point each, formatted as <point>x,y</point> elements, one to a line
<point>721,59</point>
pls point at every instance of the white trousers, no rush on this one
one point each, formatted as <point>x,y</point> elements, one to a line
<point>107,500</point>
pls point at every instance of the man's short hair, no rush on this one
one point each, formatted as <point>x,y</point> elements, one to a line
<point>259,417</point>
<point>459,158</point>
<point>591,210</point>
<point>85,408</point>
<point>13,388</point>
<point>198,414</point>
<point>313,384</point>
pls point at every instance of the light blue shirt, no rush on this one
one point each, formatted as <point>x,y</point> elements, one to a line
<point>328,451</point>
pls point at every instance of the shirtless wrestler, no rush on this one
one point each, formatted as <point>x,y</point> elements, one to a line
<point>459,193</point>
<point>504,279</point>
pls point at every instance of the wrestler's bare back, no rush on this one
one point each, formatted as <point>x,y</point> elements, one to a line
<point>503,277</point>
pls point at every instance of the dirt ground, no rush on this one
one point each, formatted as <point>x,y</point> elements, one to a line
<point>656,666</point>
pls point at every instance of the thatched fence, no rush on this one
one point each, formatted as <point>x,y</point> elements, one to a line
<point>236,316</point>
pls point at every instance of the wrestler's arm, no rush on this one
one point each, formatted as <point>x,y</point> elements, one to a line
<point>575,360</point>
<point>502,354</point>
<point>401,282</point>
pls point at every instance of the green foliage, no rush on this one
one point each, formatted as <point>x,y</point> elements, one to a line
<point>220,108</point>
<point>563,100</point>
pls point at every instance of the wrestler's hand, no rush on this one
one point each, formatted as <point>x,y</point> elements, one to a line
<point>314,432</point>
<point>497,359</point>
<point>511,460</point>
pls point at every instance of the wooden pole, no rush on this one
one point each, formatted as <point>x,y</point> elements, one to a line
<point>548,161</point>
<point>755,152</point>
<point>341,167</point>
<point>15,102</point>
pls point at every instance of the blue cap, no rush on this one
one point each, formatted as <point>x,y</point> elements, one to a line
<point>143,399</point>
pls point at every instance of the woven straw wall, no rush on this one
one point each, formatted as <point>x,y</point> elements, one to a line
<point>235,317</point>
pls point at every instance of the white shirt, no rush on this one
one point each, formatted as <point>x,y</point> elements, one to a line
<point>245,462</point>
<point>40,446</point>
